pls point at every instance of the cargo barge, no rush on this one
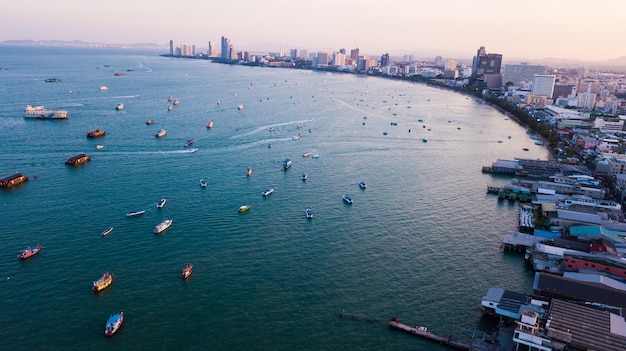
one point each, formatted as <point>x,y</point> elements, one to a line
<point>12,180</point>
<point>77,160</point>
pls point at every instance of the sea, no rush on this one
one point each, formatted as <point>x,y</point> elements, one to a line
<point>421,243</point>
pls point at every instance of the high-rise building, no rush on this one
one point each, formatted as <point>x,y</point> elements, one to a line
<point>322,58</point>
<point>543,85</point>
<point>523,72</point>
<point>485,63</point>
<point>342,51</point>
<point>354,54</point>
<point>210,51</point>
<point>304,54</point>
<point>171,48</point>
<point>281,52</point>
<point>293,53</point>
<point>227,49</point>
<point>384,60</point>
<point>339,59</point>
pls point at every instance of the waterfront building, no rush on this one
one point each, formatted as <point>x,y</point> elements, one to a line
<point>384,60</point>
<point>227,49</point>
<point>484,63</point>
<point>293,53</point>
<point>339,59</point>
<point>304,54</point>
<point>450,65</point>
<point>354,54</point>
<point>171,48</point>
<point>322,59</point>
<point>211,50</point>
<point>543,85</point>
<point>517,74</point>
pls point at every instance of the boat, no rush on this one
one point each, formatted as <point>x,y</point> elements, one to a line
<point>103,282</point>
<point>119,107</point>
<point>169,98</point>
<point>40,112</point>
<point>169,108</point>
<point>104,87</point>
<point>186,271</point>
<point>118,74</point>
<point>243,209</point>
<point>268,191</point>
<point>304,176</point>
<point>209,124</point>
<point>28,252</point>
<point>135,213</point>
<point>77,159</point>
<point>96,133</point>
<point>286,163</point>
<point>272,129</point>
<point>525,149</point>
<point>52,80</point>
<point>316,156</point>
<point>99,147</point>
<point>161,227</point>
<point>309,213</point>
<point>347,199</point>
<point>161,133</point>
<point>161,203</point>
<point>249,172</point>
<point>175,102</point>
<point>193,149</point>
<point>425,140</point>
<point>203,183</point>
<point>269,146</point>
<point>107,231</point>
<point>150,121</point>
<point>114,323</point>
<point>12,180</point>
<point>189,143</point>
<point>240,107</point>
<point>362,185</point>
<point>306,154</point>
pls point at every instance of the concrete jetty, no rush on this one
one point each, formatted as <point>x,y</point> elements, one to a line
<point>425,333</point>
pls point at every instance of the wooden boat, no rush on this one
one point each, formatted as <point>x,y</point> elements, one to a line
<point>103,282</point>
<point>135,213</point>
<point>114,323</point>
<point>77,159</point>
<point>28,252</point>
<point>107,231</point>
<point>186,271</point>
<point>96,133</point>
<point>189,143</point>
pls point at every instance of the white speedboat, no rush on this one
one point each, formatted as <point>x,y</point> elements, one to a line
<point>203,183</point>
<point>161,203</point>
<point>268,191</point>
<point>161,133</point>
<point>286,163</point>
<point>362,185</point>
<point>305,176</point>
<point>309,213</point>
<point>347,199</point>
<point>161,227</point>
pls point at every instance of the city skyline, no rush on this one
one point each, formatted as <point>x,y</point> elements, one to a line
<point>533,30</point>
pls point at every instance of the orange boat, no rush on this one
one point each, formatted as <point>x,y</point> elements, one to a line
<point>186,271</point>
<point>29,251</point>
<point>103,282</point>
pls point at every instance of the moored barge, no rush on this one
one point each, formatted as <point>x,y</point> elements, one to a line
<point>12,180</point>
<point>78,159</point>
<point>40,112</point>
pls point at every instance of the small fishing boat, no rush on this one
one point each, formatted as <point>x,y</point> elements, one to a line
<point>99,147</point>
<point>161,203</point>
<point>362,185</point>
<point>304,176</point>
<point>249,172</point>
<point>193,150</point>
<point>243,209</point>
<point>309,213</point>
<point>175,102</point>
<point>240,107</point>
<point>169,108</point>
<point>203,183</point>
<point>268,191</point>
<point>287,163</point>
<point>103,282</point>
<point>189,143</point>
<point>28,252</point>
<point>525,149</point>
<point>150,121</point>
<point>114,323</point>
<point>186,271</point>
<point>107,231</point>
<point>209,124</point>
<point>169,98</point>
<point>306,154</point>
<point>347,199</point>
<point>269,145</point>
<point>135,213</point>
<point>161,133</point>
<point>161,227</point>
<point>119,107</point>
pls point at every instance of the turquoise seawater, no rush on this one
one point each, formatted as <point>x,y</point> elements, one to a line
<point>420,243</point>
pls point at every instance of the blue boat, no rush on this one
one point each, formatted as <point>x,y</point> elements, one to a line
<point>347,199</point>
<point>114,323</point>
<point>287,163</point>
<point>309,213</point>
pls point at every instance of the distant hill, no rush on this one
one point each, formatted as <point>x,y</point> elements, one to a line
<point>83,44</point>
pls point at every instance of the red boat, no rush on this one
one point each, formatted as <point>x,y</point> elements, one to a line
<point>29,251</point>
<point>186,271</point>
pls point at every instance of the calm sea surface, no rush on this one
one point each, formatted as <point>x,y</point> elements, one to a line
<point>420,243</point>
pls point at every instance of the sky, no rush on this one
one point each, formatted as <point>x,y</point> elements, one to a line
<point>530,29</point>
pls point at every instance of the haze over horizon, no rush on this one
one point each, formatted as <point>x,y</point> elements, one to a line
<point>533,29</point>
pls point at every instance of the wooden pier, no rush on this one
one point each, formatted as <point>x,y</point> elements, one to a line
<point>425,333</point>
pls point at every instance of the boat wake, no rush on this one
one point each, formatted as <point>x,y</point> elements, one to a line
<point>267,127</point>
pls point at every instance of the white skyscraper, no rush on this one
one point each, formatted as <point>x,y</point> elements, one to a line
<point>543,85</point>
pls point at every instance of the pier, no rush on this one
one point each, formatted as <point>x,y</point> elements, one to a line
<point>426,334</point>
